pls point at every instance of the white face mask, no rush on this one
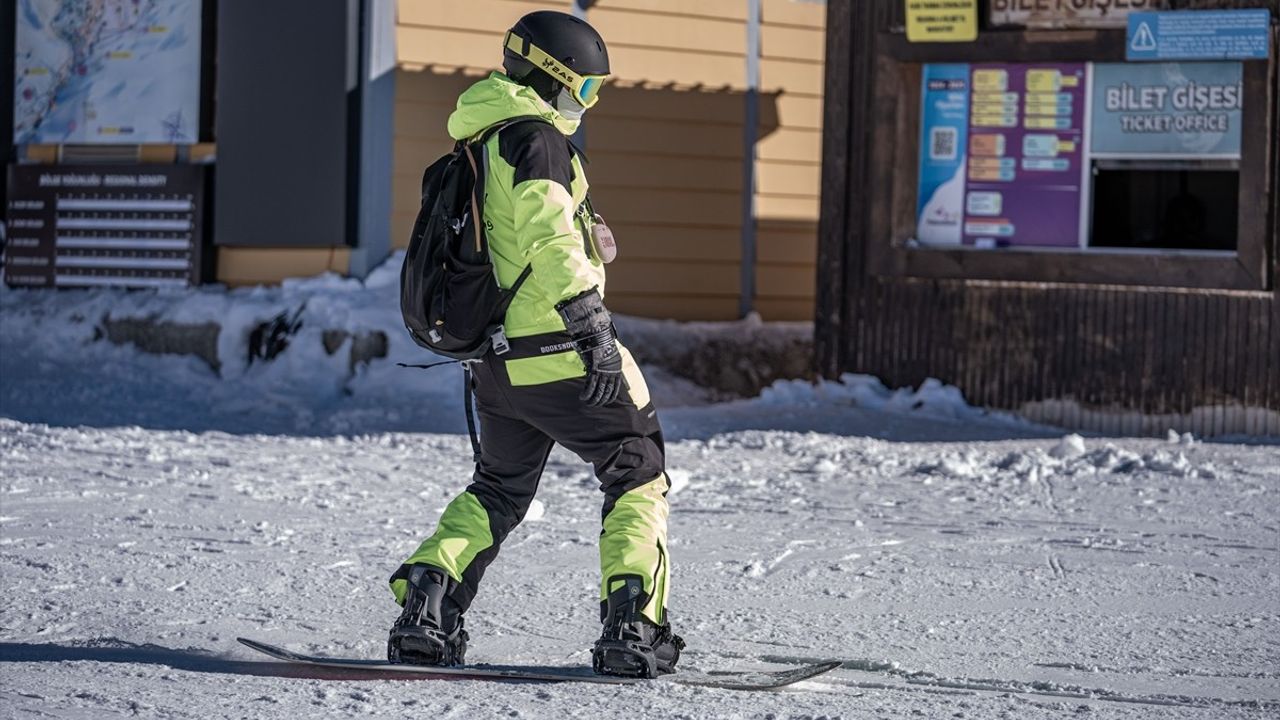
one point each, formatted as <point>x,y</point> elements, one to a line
<point>568,106</point>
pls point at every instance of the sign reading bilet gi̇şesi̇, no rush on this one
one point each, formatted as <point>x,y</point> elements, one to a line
<point>1066,13</point>
<point>1167,110</point>
<point>1199,35</point>
<point>942,20</point>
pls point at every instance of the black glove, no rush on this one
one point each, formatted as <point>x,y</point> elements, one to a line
<point>589,326</point>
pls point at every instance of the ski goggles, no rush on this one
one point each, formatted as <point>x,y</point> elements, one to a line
<point>584,88</point>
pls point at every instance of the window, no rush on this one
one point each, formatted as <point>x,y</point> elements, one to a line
<point>1148,206</point>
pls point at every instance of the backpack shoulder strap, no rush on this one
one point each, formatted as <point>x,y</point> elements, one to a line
<point>481,169</point>
<point>499,127</point>
<point>482,140</point>
<point>575,150</point>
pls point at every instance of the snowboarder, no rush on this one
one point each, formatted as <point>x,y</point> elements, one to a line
<point>565,379</point>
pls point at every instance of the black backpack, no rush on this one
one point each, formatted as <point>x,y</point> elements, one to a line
<point>449,296</point>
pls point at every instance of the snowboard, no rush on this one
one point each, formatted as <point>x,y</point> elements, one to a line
<point>381,669</point>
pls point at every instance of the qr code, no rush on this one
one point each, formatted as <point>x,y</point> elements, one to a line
<point>942,143</point>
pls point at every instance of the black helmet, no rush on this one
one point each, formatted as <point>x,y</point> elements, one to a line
<point>563,50</point>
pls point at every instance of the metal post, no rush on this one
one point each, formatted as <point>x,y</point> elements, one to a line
<point>751,118</point>
<point>373,79</point>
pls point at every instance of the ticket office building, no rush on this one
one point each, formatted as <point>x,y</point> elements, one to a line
<point>1057,230</point>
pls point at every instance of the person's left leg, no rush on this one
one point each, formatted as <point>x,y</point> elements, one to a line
<point>623,442</point>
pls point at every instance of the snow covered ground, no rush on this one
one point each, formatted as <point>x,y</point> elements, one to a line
<point>962,564</point>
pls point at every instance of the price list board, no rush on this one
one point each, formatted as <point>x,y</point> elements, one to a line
<point>104,225</point>
<point>1026,152</point>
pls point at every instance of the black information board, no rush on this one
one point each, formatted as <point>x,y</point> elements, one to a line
<point>95,225</point>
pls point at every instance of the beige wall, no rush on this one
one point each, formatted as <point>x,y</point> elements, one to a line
<point>238,266</point>
<point>665,142</point>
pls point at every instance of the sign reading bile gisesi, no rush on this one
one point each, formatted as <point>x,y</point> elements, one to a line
<point>1068,13</point>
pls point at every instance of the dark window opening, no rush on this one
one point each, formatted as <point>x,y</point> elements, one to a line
<point>1165,208</point>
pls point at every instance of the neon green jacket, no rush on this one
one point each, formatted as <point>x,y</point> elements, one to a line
<point>534,192</point>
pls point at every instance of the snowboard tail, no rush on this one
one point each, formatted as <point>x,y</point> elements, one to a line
<point>381,669</point>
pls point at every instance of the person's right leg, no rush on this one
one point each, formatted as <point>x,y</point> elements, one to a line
<point>623,442</point>
<point>437,583</point>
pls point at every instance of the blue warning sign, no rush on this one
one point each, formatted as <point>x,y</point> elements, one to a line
<point>1199,35</point>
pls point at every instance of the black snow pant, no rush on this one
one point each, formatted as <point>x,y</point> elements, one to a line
<point>518,427</point>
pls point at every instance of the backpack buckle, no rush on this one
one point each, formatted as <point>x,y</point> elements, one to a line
<point>500,344</point>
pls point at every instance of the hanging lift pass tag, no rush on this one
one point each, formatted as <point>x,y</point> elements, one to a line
<point>602,240</point>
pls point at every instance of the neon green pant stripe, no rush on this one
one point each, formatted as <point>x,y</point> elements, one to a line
<point>462,534</point>
<point>634,543</point>
<point>545,369</point>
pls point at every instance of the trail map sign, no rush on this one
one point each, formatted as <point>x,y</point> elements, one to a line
<point>107,71</point>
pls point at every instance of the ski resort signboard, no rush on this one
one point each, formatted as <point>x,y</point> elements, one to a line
<point>96,225</point>
<point>1067,13</point>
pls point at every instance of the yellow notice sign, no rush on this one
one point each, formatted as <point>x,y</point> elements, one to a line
<point>942,20</point>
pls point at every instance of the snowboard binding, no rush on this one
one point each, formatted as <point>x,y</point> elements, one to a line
<point>631,645</point>
<point>430,629</point>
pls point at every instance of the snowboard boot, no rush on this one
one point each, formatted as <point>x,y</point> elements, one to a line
<point>429,631</point>
<point>632,645</point>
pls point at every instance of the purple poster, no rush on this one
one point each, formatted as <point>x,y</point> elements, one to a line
<point>1025,154</point>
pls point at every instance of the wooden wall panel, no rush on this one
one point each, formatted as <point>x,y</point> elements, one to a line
<point>793,76</point>
<point>690,36</point>
<point>785,309</point>
<point>651,241</point>
<point>239,266</point>
<point>669,278</point>
<point>785,280</point>
<point>788,242</point>
<point>1108,359</point>
<point>714,9</point>
<point>788,157</point>
<point>679,67</point>
<point>422,46</point>
<point>791,144</point>
<point>804,14</point>
<point>789,178</point>
<point>678,307</point>
<point>799,112</point>
<point>782,42</point>
<point>611,168</point>
<point>489,16</point>
<point>783,207</point>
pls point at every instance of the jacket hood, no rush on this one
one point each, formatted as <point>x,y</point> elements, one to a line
<point>497,98</point>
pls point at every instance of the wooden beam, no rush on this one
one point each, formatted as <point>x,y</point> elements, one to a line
<point>1273,87</point>
<point>1140,269</point>
<point>1257,140</point>
<point>1012,45</point>
<point>833,226</point>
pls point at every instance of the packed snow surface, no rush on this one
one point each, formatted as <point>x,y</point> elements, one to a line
<point>960,563</point>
